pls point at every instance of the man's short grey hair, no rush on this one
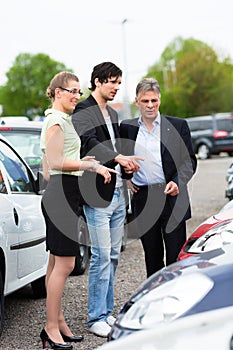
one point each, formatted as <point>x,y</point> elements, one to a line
<point>147,84</point>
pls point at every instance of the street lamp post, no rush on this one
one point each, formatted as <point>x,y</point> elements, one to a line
<point>126,104</point>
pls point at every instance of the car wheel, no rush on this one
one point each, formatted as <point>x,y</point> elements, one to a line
<point>230,154</point>
<point>1,304</point>
<point>38,288</point>
<point>82,257</point>
<point>203,151</point>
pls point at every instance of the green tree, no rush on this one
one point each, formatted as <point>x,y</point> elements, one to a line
<point>193,80</point>
<point>27,80</point>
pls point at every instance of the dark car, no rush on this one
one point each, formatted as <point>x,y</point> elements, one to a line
<point>194,285</point>
<point>212,134</point>
<point>25,137</point>
<point>229,179</point>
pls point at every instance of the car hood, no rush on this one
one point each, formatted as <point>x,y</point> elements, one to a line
<point>212,327</point>
<point>193,263</point>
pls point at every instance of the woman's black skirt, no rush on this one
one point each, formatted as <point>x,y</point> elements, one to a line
<point>60,207</point>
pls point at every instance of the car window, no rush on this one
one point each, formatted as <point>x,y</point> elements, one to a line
<point>225,124</point>
<point>3,188</point>
<point>16,171</point>
<point>27,143</point>
<point>196,125</point>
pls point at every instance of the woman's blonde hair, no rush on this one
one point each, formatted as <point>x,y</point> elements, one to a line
<point>60,79</point>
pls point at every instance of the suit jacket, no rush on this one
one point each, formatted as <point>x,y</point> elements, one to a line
<point>90,125</point>
<point>178,158</point>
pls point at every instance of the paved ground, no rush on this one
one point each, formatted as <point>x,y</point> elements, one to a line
<point>25,317</point>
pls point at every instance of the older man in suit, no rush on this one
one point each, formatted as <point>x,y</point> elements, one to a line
<point>160,196</point>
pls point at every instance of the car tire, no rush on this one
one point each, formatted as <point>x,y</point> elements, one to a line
<point>203,151</point>
<point>1,303</point>
<point>82,257</point>
<point>125,236</point>
<point>38,288</point>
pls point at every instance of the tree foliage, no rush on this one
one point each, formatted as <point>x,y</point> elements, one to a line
<point>27,80</point>
<point>193,80</point>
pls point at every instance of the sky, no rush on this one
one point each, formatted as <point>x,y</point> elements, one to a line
<point>132,34</point>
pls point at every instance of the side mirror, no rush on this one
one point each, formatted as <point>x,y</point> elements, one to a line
<point>41,182</point>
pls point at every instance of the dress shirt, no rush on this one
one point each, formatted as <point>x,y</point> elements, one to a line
<point>108,122</point>
<point>148,146</point>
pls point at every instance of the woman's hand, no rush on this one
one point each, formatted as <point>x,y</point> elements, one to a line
<point>89,159</point>
<point>105,172</point>
<point>89,163</point>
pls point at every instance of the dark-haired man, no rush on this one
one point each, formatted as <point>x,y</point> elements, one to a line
<point>97,125</point>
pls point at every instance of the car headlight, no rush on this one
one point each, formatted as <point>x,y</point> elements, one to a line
<point>215,238</point>
<point>167,302</point>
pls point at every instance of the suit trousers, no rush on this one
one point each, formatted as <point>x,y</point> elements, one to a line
<point>162,237</point>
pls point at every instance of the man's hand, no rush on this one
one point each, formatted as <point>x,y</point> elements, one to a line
<point>172,189</point>
<point>130,185</point>
<point>128,162</point>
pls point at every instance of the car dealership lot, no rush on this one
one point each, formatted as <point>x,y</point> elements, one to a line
<point>25,317</point>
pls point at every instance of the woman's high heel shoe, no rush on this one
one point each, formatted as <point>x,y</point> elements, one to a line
<point>45,338</point>
<point>72,338</point>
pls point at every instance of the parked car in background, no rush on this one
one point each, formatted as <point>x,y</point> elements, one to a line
<point>191,286</point>
<point>207,330</point>
<point>23,256</point>
<point>25,137</point>
<point>214,232</point>
<point>7,119</point>
<point>212,134</point>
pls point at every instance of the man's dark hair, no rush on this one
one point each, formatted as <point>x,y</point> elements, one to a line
<point>103,72</point>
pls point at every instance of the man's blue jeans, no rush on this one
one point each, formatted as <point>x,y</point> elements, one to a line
<point>106,228</point>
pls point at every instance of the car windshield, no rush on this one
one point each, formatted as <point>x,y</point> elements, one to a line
<point>216,237</point>
<point>28,144</point>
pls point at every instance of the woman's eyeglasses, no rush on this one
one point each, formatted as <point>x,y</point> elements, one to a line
<point>72,91</point>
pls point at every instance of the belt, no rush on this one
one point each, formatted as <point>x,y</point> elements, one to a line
<point>153,186</point>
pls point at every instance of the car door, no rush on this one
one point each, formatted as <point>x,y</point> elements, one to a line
<point>22,222</point>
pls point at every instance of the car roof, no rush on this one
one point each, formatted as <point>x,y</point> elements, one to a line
<point>202,117</point>
<point>225,115</point>
<point>20,125</point>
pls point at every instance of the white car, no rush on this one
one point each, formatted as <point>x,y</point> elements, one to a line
<point>23,256</point>
<point>208,330</point>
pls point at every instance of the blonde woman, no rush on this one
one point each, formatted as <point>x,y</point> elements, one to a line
<point>62,165</point>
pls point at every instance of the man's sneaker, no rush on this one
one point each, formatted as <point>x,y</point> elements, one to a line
<point>100,328</point>
<point>111,320</point>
